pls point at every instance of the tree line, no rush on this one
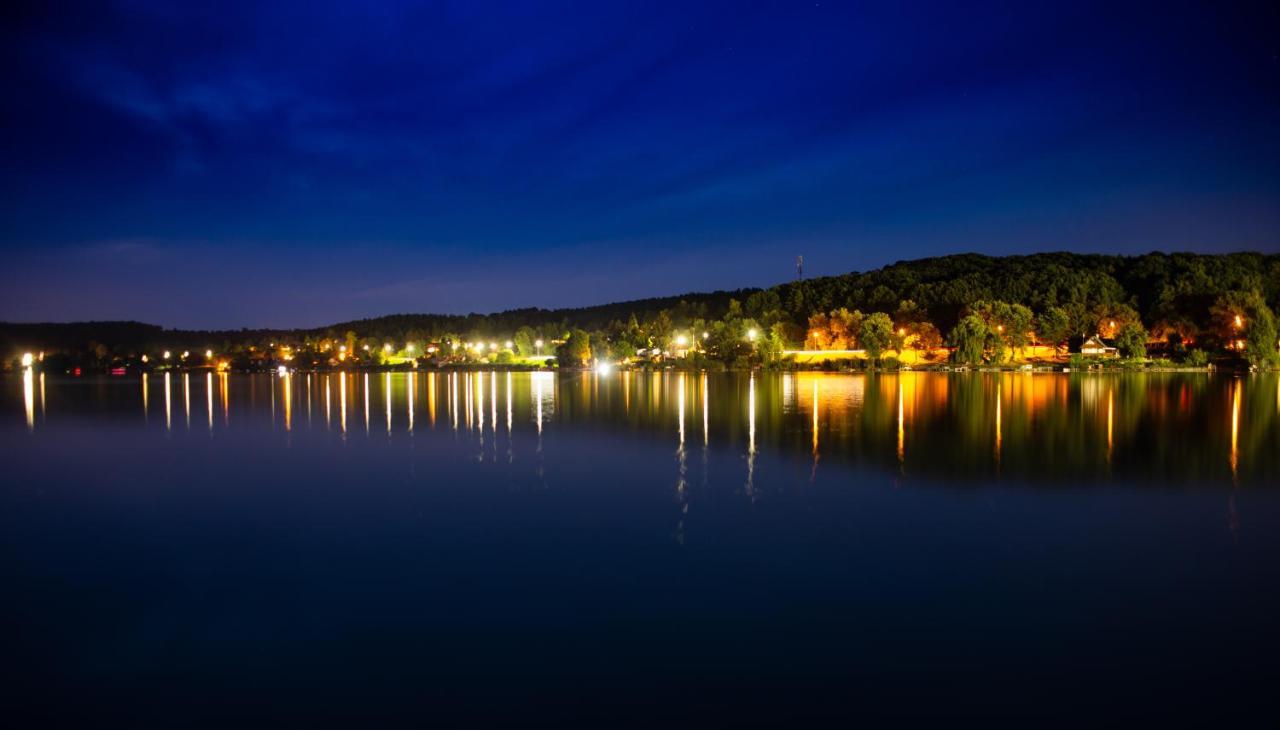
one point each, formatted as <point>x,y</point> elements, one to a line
<point>986,308</point>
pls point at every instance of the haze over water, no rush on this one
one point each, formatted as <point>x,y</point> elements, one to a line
<point>479,547</point>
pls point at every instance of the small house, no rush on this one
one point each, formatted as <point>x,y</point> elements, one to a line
<point>1095,347</point>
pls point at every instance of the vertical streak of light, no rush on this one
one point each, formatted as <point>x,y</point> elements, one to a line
<point>493,403</point>
<point>537,397</point>
<point>168,418</point>
<point>431,399</point>
<point>186,397</point>
<point>226,400</point>
<point>902,434</point>
<point>29,398</point>
<point>466,394</point>
<point>480,403</point>
<point>681,465</point>
<point>366,403</point>
<point>1235,429</point>
<point>815,417</point>
<point>288,402</point>
<point>144,397</point>
<point>208,396</point>
<point>386,390</point>
<point>43,417</point>
<point>813,471</point>
<point>327,402</point>
<point>999,429</point>
<point>409,377</point>
<point>508,402</point>
<point>706,433</point>
<point>751,437</point>
<point>453,399</point>
<point>680,406</point>
<point>342,401</point>
<point>626,391</point>
<point>308,401</point>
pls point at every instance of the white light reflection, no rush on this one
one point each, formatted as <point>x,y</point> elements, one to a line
<point>208,396</point>
<point>751,437</point>
<point>29,398</point>
<point>342,401</point>
<point>168,418</point>
<point>186,398</point>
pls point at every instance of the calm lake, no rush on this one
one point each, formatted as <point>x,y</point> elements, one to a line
<point>638,548</point>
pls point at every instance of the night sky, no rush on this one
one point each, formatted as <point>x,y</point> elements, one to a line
<point>240,165</point>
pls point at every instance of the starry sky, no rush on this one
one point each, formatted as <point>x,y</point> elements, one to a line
<point>232,164</point>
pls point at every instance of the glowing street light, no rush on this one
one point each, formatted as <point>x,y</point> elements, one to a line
<point>454,345</point>
<point>282,371</point>
<point>366,348</point>
<point>144,358</point>
<point>386,347</point>
<point>167,354</point>
<point>603,368</point>
<point>705,335</point>
<point>507,344</point>
<point>27,359</point>
<point>342,348</point>
<point>208,354</point>
<point>1239,321</point>
<point>538,344</point>
<point>493,345</point>
<point>682,340</point>
<point>751,334</point>
<point>408,347</point>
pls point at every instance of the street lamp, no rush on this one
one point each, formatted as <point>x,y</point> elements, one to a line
<point>682,340</point>
<point>208,354</point>
<point>166,354</point>
<point>409,347</point>
<point>751,334</point>
<point>538,344</point>
<point>507,344</point>
<point>27,359</point>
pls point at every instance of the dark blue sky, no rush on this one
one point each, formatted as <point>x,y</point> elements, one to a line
<point>298,165</point>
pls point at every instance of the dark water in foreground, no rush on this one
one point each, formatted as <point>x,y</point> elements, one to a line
<point>631,548</point>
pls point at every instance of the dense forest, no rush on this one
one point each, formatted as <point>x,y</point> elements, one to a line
<point>1189,307</point>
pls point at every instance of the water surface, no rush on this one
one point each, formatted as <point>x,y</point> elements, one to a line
<point>476,548</point>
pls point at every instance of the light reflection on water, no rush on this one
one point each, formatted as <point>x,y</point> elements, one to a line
<point>1176,427</point>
